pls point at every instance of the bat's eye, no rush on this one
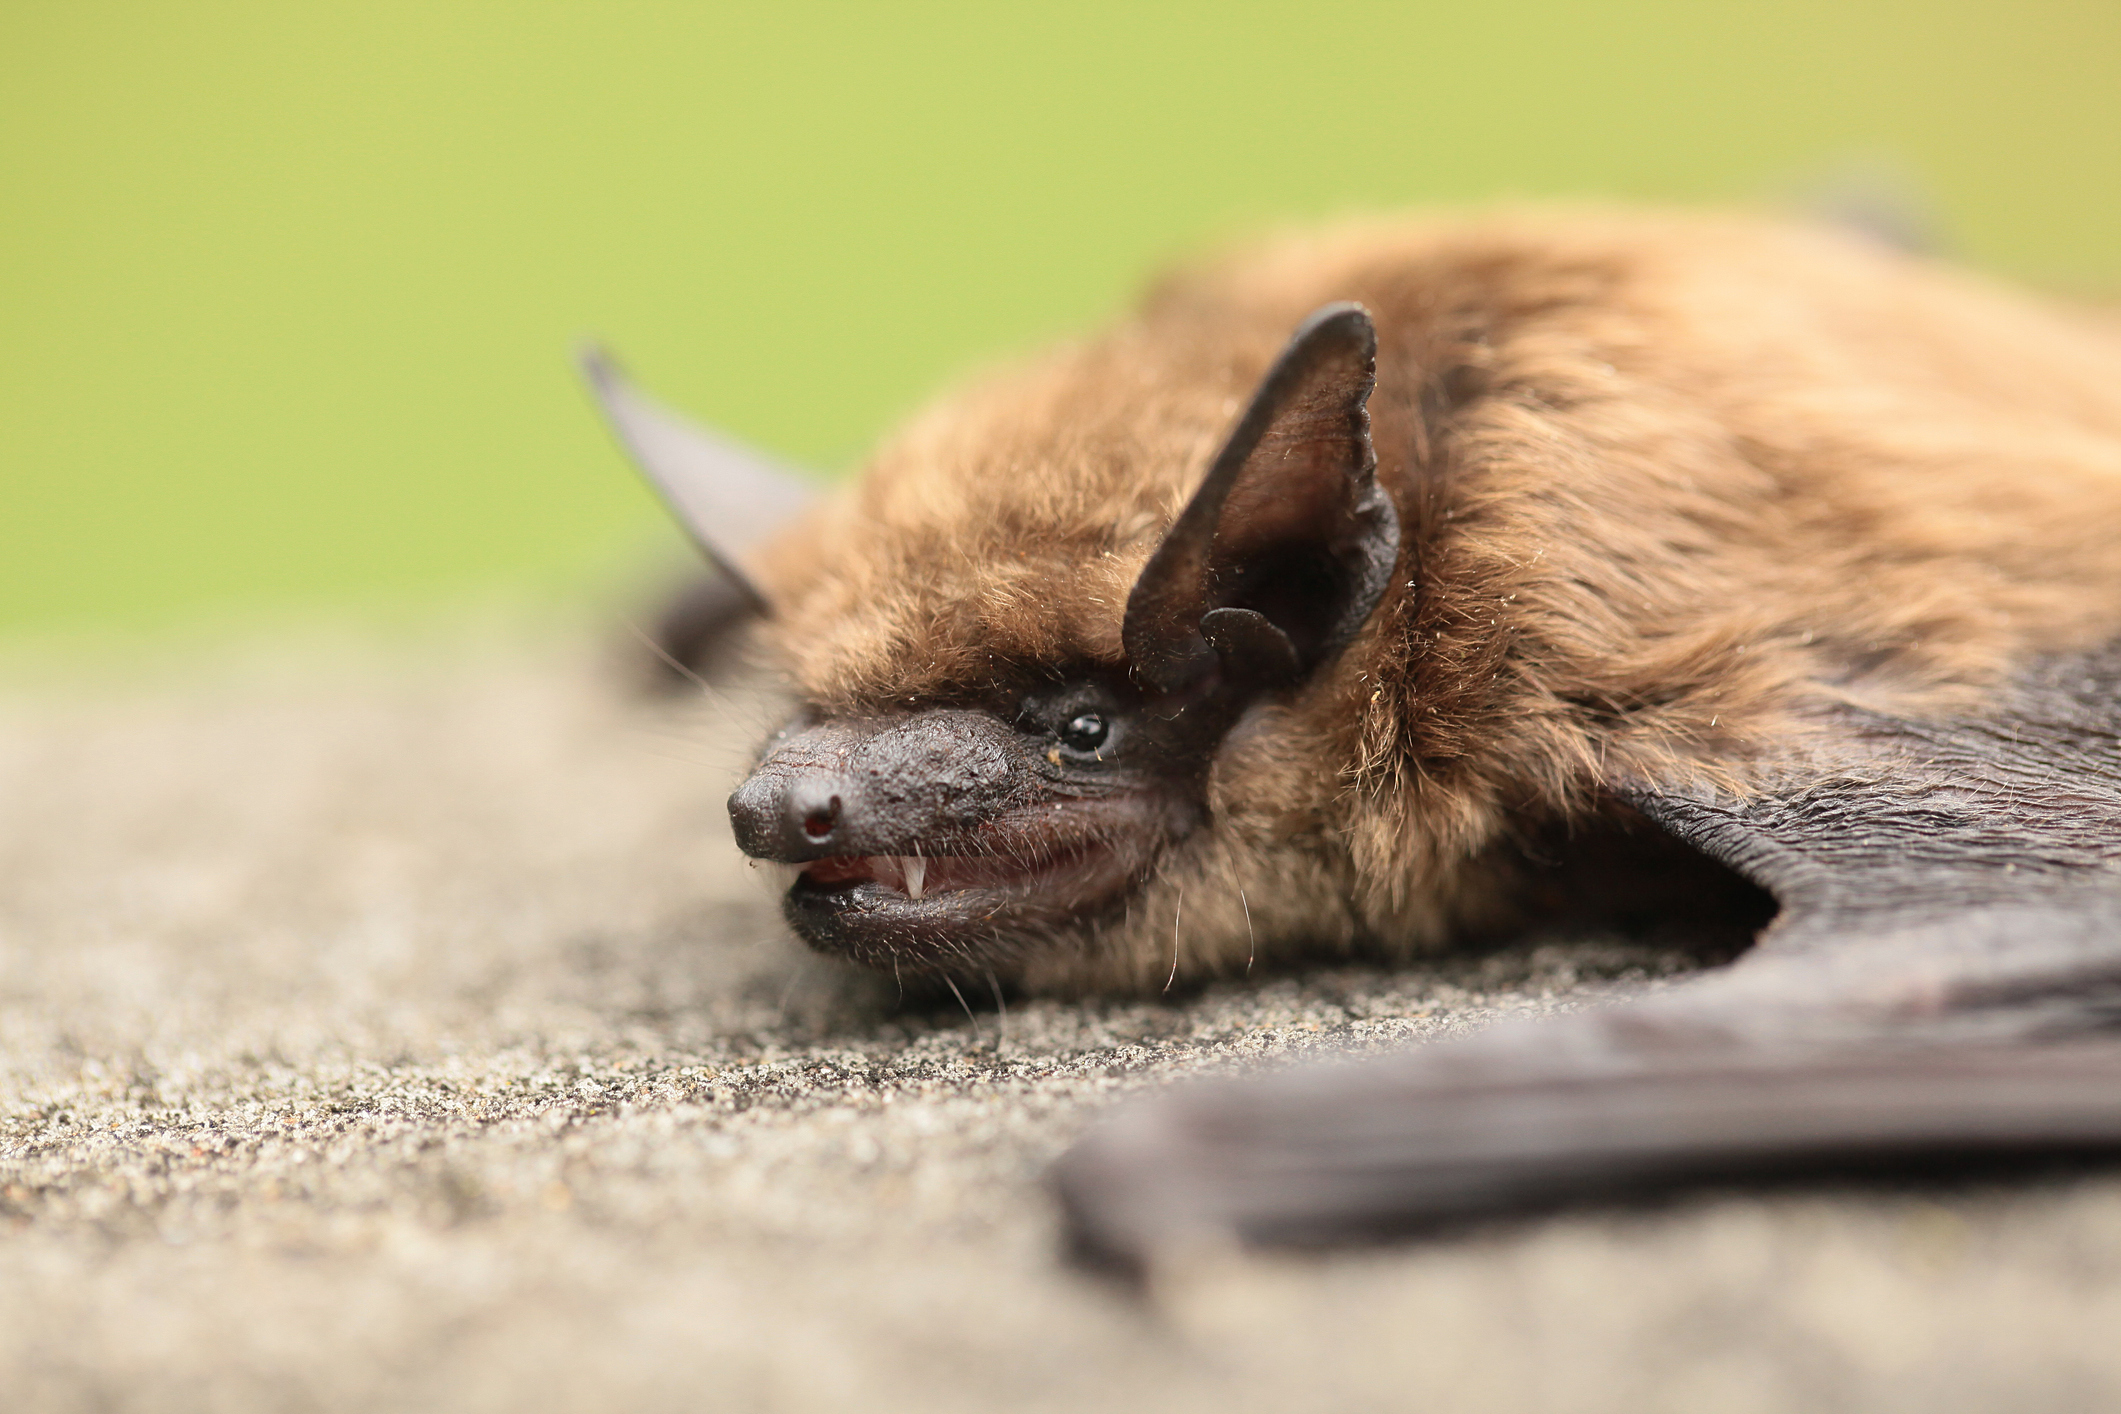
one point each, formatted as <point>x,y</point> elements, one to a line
<point>1086,731</point>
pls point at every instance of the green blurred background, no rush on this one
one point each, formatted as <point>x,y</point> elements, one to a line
<point>287,290</point>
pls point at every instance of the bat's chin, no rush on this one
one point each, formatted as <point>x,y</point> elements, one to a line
<point>935,913</point>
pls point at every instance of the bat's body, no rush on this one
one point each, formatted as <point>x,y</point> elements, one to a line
<point>1196,644</point>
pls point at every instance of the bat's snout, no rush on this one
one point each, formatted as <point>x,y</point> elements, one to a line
<point>926,836</point>
<point>916,785</point>
<point>793,816</point>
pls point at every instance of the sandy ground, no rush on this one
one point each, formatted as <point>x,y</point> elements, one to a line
<point>403,1032</point>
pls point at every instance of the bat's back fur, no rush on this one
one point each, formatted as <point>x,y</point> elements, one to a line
<point>1667,484</point>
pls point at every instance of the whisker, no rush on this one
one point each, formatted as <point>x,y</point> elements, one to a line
<point>951,983</point>
<point>1176,914</point>
<point>802,968</point>
<point>648,640</point>
<point>1251,937</point>
<point>678,757</point>
<point>1001,1011</point>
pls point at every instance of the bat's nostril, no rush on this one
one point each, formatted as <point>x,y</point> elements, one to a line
<point>820,820</point>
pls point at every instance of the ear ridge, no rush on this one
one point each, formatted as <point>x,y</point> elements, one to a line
<point>1252,649</point>
<point>1289,513</point>
<point>727,497</point>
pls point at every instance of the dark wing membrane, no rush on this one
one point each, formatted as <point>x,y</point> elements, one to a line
<point>1942,985</point>
<point>1980,836</point>
<point>1323,1154</point>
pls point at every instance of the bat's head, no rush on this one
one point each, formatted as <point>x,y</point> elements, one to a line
<point>1027,640</point>
<point>1023,643</point>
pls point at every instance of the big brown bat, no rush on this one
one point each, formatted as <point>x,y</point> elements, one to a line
<point>1340,594</point>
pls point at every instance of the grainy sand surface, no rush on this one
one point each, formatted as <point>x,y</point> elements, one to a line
<point>402,1032</point>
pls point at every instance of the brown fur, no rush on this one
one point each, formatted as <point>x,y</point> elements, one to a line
<point>1664,481</point>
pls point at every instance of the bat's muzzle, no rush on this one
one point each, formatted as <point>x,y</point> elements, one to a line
<point>921,784</point>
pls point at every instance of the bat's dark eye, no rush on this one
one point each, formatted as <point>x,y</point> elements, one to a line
<point>1086,731</point>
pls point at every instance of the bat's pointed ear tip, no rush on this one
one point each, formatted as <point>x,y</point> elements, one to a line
<point>1344,316</point>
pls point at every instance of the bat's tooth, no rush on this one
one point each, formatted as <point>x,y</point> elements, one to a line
<point>916,874</point>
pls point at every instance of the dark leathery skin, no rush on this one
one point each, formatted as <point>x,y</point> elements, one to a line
<point>926,782</point>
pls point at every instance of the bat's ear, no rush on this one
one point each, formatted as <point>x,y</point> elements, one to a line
<point>1290,542</point>
<point>728,497</point>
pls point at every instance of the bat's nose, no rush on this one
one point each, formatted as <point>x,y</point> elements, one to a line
<point>792,815</point>
<point>923,783</point>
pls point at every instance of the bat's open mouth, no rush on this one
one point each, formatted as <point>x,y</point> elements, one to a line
<point>913,909</point>
<point>934,879</point>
